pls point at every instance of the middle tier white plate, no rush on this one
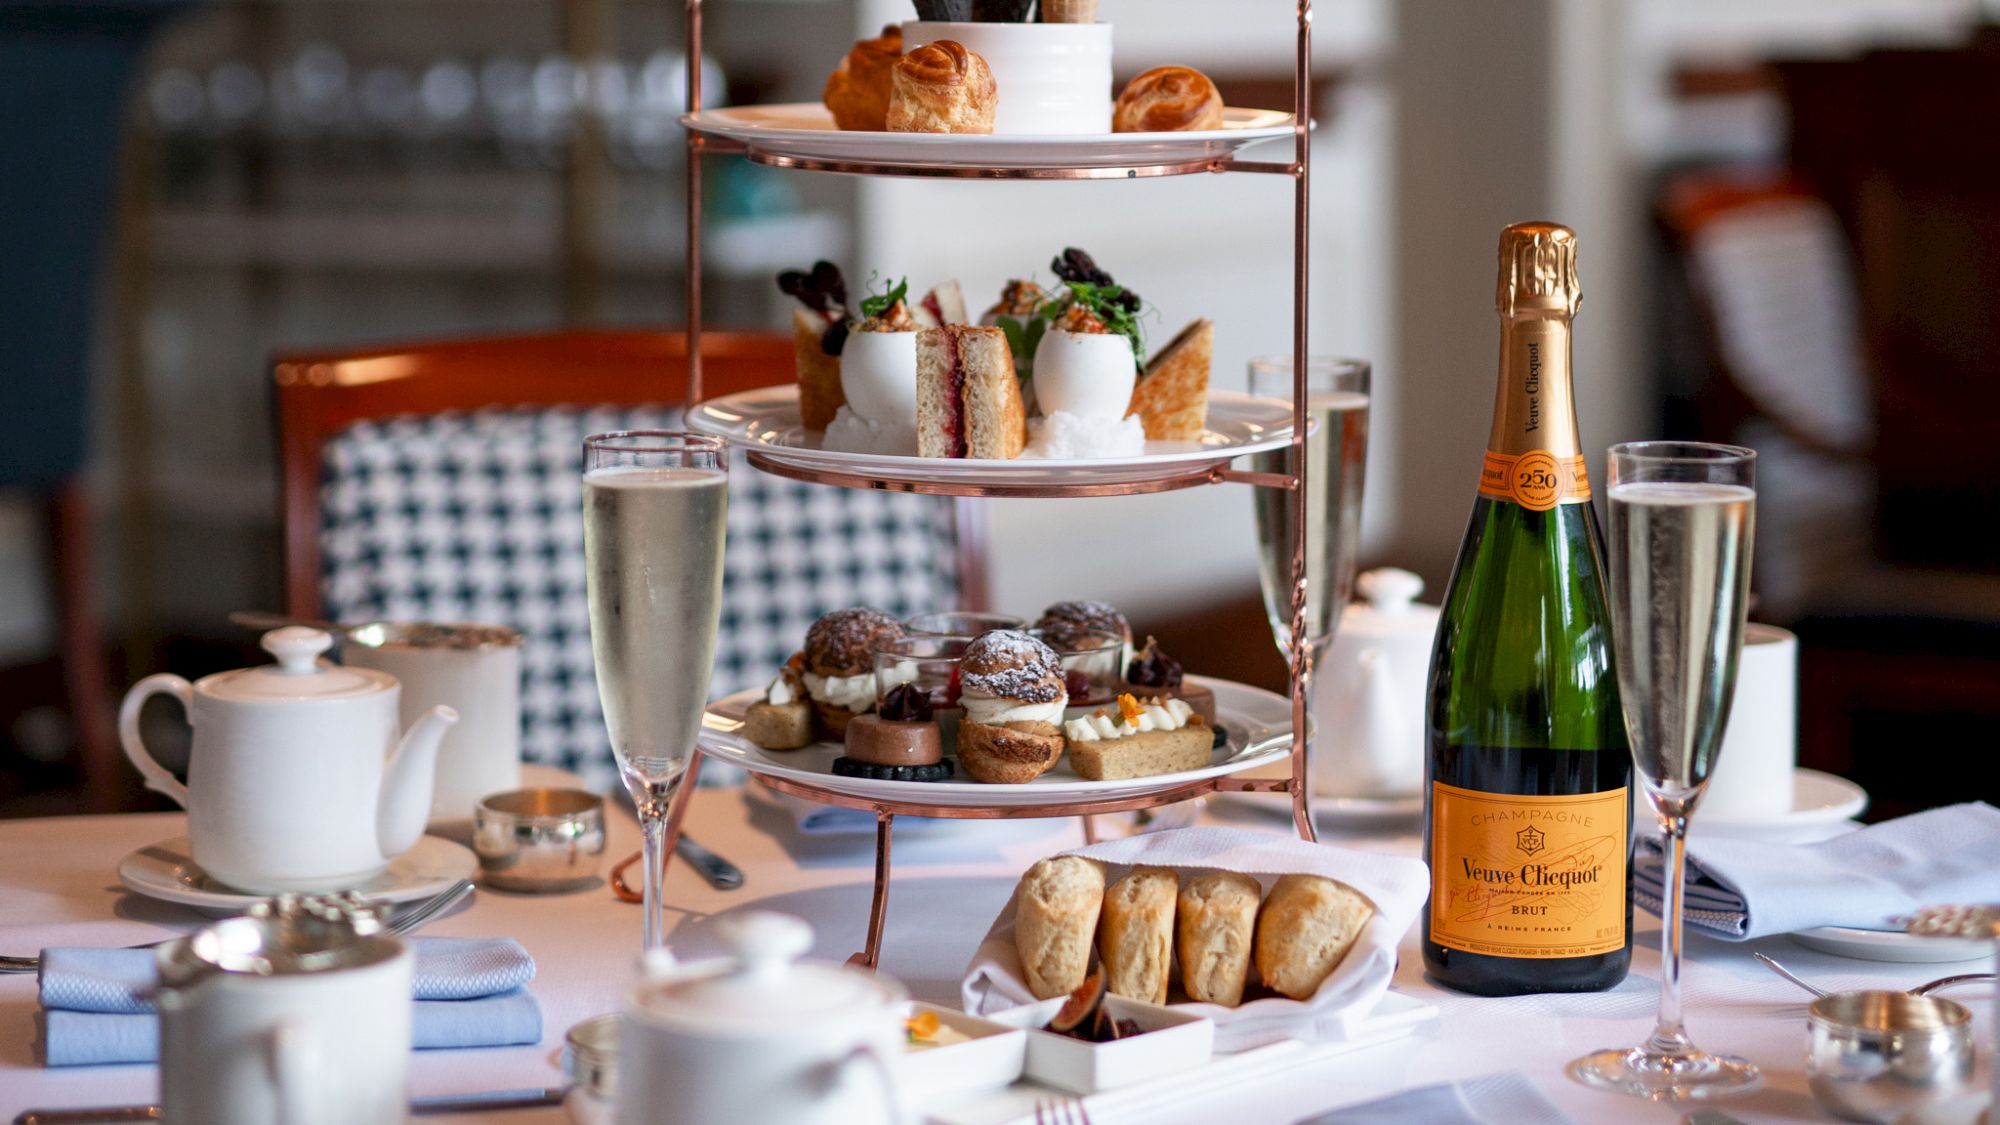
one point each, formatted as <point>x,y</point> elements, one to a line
<point>1259,725</point>
<point>767,420</point>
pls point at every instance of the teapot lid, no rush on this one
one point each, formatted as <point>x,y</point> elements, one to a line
<point>299,675</point>
<point>1390,604</point>
<point>762,990</point>
<point>285,936</point>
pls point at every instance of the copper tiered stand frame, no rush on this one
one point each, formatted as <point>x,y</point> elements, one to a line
<point>700,144</point>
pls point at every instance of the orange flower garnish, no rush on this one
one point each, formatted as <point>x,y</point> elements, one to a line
<point>1130,708</point>
<point>921,1026</point>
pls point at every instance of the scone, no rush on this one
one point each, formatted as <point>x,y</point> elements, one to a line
<point>1138,739</point>
<point>1307,925</point>
<point>1214,923</point>
<point>857,92</point>
<point>1011,687</point>
<point>1167,99</point>
<point>1135,936</point>
<point>1055,922</point>
<point>1171,397</point>
<point>839,665</point>
<point>942,87</point>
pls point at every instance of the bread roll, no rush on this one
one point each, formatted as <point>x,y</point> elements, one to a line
<point>1306,927</point>
<point>1055,922</point>
<point>1136,936</point>
<point>1217,916</point>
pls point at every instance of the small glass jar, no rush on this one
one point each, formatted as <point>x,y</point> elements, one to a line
<point>959,623</point>
<point>1093,666</point>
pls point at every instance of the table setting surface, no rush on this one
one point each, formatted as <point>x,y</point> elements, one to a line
<point>59,889</point>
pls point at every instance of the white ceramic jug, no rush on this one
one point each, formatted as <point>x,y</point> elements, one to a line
<point>760,1036</point>
<point>1371,692</point>
<point>295,1014</point>
<point>296,781</point>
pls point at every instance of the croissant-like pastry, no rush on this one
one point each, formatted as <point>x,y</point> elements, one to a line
<point>857,92</point>
<point>1167,99</point>
<point>942,87</point>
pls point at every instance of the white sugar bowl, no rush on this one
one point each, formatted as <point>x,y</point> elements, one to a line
<point>1051,78</point>
<point>1371,693</point>
<point>760,1036</point>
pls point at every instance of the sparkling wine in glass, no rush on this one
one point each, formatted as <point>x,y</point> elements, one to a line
<point>654,515</point>
<point>1683,515</point>
<point>1336,459</point>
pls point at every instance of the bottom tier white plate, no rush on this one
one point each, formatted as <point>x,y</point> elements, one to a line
<point>167,871</point>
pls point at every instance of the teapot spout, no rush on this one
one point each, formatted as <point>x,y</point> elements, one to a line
<point>405,802</point>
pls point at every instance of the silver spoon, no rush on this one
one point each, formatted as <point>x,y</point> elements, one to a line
<point>403,923</point>
<point>1924,989</point>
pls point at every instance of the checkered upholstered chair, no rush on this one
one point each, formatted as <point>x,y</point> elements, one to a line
<point>466,507</point>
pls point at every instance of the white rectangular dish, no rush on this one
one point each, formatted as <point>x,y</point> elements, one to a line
<point>991,1055</point>
<point>1172,1042</point>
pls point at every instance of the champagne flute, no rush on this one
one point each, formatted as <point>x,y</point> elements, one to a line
<point>654,514</point>
<point>1683,515</point>
<point>1336,460</point>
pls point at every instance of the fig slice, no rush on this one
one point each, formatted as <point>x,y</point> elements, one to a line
<point>1082,1005</point>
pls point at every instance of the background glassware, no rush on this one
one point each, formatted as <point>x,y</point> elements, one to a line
<point>1683,515</point>
<point>960,623</point>
<point>1093,665</point>
<point>654,508</point>
<point>1336,463</point>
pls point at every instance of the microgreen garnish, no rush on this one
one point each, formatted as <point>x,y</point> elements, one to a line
<point>872,307</point>
<point>1091,287</point>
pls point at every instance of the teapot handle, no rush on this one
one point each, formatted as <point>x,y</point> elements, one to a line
<point>158,779</point>
<point>886,1077</point>
<point>294,1060</point>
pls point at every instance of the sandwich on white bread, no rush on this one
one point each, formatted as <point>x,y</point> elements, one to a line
<point>968,399</point>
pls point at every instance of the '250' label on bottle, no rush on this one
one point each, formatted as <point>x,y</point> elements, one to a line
<point>1515,875</point>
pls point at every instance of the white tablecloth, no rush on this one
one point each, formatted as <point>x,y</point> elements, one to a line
<point>57,887</point>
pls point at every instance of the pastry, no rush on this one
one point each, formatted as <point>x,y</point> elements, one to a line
<point>839,664</point>
<point>942,87</point>
<point>1136,933</point>
<point>1069,11</point>
<point>899,742</point>
<point>1167,99</point>
<point>1171,397</point>
<point>1069,625</point>
<point>857,92</point>
<point>1136,739</point>
<point>1306,926</point>
<point>819,334</point>
<point>968,400</point>
<point>1011,688</point>
<point>1152,670</point>
<point>783,719</point>
<point>1055,923</point>
<point>1214,923</point>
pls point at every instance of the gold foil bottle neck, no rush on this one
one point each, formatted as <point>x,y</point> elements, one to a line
<point>1538,270</point>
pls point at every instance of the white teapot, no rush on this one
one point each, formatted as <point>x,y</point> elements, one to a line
<point>760,1036</point>
<point>297,781</point>
<point>1371,692</point>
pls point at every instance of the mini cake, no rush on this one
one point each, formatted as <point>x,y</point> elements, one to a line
<point>783,719</point>
<point>1011,687</point>
<point>1138,739</point>
<point>819,335</point>
<point>899,742</point>
<point>839,664</point>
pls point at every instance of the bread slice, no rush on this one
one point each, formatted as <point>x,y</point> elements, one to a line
<point>943,305</point>
<point>1145,754</point>
<point>820,396</point>
<point>1055,923</point>
<point>1214,920</point>
<point>968,400</point>
<point>1171,397</point>
<point>1135,937</point>
<point>1307,925</point>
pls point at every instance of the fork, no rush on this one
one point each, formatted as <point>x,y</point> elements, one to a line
<point>1062,1111</point>
<point>402,924</point>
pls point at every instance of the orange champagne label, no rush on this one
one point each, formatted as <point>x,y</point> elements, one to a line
<point>1514,875</point>
<point>1537,481</point>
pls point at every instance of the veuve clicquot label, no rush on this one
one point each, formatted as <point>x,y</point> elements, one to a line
<point>1528,876</point>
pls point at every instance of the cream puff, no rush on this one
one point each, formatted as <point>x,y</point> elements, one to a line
<point>942,87</point>
<point>857,92</point>
<point>1167,99</point>
<point>1069,625</point>
<point>1013,695</point>
<point>839,663</point>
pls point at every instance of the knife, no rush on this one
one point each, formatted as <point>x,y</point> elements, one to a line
<point>419,1107</point>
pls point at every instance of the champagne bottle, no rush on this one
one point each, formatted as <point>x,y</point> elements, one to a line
<point>1527,803</point>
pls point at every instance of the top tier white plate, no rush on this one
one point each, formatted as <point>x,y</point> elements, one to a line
<point>766,421</point>
<point>803,135</point>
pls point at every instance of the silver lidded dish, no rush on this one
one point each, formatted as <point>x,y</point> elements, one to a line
<point>1878,1055</point>
<point>539,841</point>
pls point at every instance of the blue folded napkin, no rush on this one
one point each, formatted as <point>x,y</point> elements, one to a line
<point>1738,889</point>
<point>1508,1098</point>
<point>469,992</point>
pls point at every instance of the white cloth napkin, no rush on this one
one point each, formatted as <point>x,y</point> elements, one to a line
<point>1508,1098</point>
<point>1397,886</point>
<point>1738,889</point>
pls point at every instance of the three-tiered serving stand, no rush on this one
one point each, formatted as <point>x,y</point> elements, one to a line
<point>702,143</point>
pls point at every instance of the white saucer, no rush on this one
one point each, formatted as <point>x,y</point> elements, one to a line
<point>167,871</point>
<point>1817,798</point>
<point>1891,945</point>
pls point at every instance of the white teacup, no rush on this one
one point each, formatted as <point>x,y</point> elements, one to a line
<point>1760,748</point>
